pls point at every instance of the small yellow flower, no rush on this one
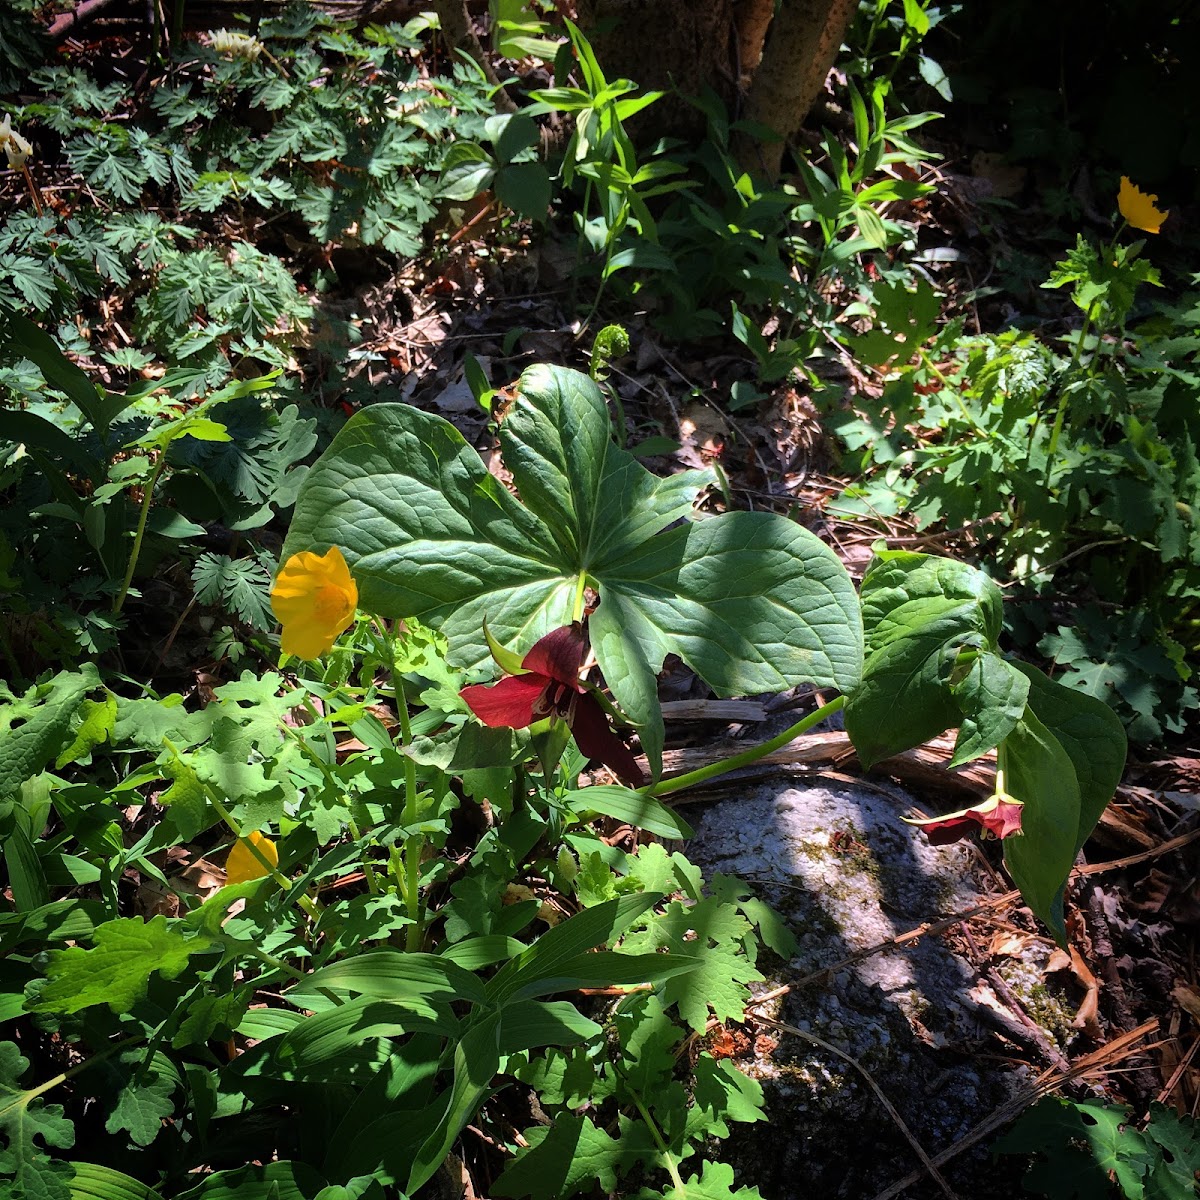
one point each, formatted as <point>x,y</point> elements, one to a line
<point>314,598</point>
<point>242,865</point>
<point>1138,209</point>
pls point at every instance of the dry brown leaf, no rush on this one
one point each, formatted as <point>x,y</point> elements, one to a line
<point>1188,998</point>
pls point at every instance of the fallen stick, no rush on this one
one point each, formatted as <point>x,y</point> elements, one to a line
<point>67,23</point>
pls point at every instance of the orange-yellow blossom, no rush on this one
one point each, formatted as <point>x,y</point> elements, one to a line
<point>1138,208</point>
<point>242,865</point>
<point>314,597</point>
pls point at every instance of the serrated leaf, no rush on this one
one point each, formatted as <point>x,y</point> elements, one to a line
<point>115,972</point>
<point>98,719</point>
<point>145,1100</point>
<point>34,726</point>
<point>567,1157</point>
<point>27,1120</point>
<point>711,933</point>
<point>714,1183</point>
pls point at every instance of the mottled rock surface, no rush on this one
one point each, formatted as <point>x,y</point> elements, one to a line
<point>838,863</point>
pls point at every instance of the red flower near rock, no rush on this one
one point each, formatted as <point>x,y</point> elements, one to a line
<point>999,815</point>
<point>548,685</point>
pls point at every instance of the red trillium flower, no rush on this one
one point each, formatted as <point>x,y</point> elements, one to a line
<point>999,815</point>
<point>549,686</point>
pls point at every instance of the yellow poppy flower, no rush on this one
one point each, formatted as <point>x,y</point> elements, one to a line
<point>314,597</point>
<point>242,865</point>
<point>1138,209</point>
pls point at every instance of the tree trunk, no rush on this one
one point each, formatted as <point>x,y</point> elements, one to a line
<point>684,45</point>
<point>801,47</point>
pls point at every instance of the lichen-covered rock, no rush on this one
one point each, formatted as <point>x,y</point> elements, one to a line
<point>837,862</point>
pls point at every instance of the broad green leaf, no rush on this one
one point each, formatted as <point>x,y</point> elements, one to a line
<point>61,373</point>
<point>534,1023</point>
<point>569,1156</point>
<point>1041,775</point>
<point>751,602</point>
<point>904,698</point>
<point>476,1061</point>
<point>25,874</point>
<point>1091,734</point>
<point>716,1182</point>
<point>392,974</point>
<point>58,921</point>
<point>711,934</point>
<point>326,1035</point>
<point>991,697</point>
<point>605,968</point>
<point>34,726</point>
<point>902,588</point>
<point>634,808</point>
<point>565,942</point>
<point>145,1100</point>
<point>274,1181</point>
<point>115,972</point>
<point>26,1120</point>
<point>94,1181</point>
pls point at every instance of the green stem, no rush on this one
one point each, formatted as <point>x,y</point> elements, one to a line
<point>71,1072</point>
<point>946,383</point>
<point>702,774</point>
<point>276,964</point>
<point>668,1157</point>
<point>140,533</point>
<point>577,605</point>
<point>304,901</point>
<point>414,843</point>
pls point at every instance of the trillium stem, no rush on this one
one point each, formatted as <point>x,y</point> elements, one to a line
<point>702,774</point>
<point>577,606</point>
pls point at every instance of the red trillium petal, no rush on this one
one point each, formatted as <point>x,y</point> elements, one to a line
<point>559,655</point>
<point>999,815</point>
<point>596,739</point>
<point>508,703</point>
<point>952,829</point>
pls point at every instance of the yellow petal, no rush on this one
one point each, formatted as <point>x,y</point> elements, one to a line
<point>1138,208</point>
<point>242,864</point>
<point>315,598</point>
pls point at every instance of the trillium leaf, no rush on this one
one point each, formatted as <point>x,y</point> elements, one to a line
<point>920,613</point>
<point>1042,776</point>
<point>1092,736</point>
<point>992,698</point>
<point>750,601</point>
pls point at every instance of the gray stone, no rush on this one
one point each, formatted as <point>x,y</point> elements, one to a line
<point>839,864</point>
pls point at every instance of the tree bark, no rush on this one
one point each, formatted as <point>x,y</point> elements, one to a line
<point>801,47</point>
<point>668,45</point>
